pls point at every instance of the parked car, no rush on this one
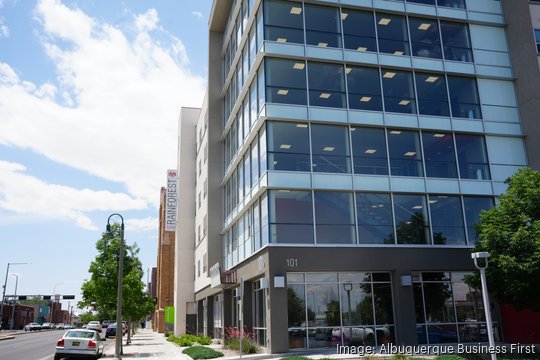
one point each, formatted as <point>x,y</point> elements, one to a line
<point>106,323</point>
<point>111,330</point>
<point>47,326</point>
<point>32,327</point>
<point>60,326</point>
<point>94,325</point>
<point>79,343</point>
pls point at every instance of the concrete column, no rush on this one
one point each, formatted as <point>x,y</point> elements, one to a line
<point>404,310</point>
<point>277,322</point>
<point>210,316</point>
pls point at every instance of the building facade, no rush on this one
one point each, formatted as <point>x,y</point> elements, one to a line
<point>344,152</point>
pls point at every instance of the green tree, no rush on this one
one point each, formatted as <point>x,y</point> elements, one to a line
<point>510,232</point>
<point>87,317</point>
<point>100,291</point>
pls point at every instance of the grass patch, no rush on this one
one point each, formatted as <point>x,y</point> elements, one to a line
<point>296,357</point>
<point>201,352</point>
<point>450,357</point>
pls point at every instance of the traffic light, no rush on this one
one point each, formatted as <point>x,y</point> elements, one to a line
<point>68,297</point>
<point>46,297</point>
<point>22,297</point>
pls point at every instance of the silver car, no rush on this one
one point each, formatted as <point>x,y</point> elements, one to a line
<point>79,343</point>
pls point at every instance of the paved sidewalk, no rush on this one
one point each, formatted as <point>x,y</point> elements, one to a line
<point>149,345</point>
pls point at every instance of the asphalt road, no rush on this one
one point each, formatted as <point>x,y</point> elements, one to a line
<point>33,346</point>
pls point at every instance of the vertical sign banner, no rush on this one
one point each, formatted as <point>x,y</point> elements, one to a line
<point>170,201</point>
<point>169,314</point>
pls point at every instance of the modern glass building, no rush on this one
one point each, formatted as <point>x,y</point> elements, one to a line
<point>349,148</point>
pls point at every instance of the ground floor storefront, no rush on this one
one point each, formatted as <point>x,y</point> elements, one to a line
<point>307,298</point>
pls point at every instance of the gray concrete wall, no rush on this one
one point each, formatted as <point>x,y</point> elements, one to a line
<point>525,66</point>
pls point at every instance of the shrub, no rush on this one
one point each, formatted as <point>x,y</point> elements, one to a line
<point>189,340</point>
<point>201,352</point>
<point>167,334</point>
<point>296,357</point>
<point>232,340</point>
<point>400,357</point>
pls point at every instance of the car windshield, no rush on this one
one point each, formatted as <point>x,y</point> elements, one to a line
<point>80,334</point>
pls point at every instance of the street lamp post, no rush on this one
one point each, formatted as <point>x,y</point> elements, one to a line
<point>4,291</point>
<point>118,339</point>
<point>14,302</point>
<point>482,267</point>
<point>348,287</point>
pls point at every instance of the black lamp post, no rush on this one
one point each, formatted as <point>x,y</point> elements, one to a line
<point>4,291</point>
<point>118,339</point>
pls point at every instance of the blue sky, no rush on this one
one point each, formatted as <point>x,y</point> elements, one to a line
<point>90,93</point>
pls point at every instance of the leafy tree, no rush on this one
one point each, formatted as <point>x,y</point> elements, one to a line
<point>87,317</point>
<point>100,291</point>
<point>510,232</point>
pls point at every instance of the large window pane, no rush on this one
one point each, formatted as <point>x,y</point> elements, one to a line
<point>364,88</point>
<point>426,2</point>
<point>411,219</point>
<point>398,90</point>
<point>464,99</point>
<point>291,216</point>
<point>283,21</point>
<point>384,311</point>
<point>323,26</point>
<point>425,38</point>
<point>334,217</point>
<point>472,157</point>
<point>432,95</point>
<point>326,85</point>
<point>452,3</point>
<point>374,218</point>
<point>330,149</point>
<point>439,155</point>
<point>405,153</point>
<point>473,208</point>
<point>288,146</point>
<point>285,81</point>
<point>439,304</point>
<point>447,220</point>
<point>358,30</point>
<point>392,33</point>
<point>468,299</point>
<point>296,315</point>
<point>323,303</point>
<point>356,304</point>
<point>456,43</point>
<point>369,151</point>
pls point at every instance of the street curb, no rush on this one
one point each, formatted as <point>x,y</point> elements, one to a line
<point>7,337</point>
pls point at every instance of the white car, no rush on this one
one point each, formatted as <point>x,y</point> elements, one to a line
<point>94,325</point>
<point>79,343</point>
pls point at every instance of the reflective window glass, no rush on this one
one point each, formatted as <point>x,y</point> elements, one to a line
<point>384,309</point>
<point>296,305</point>
<point>464,99</point>
<point>398,90</point>
<point>411,219</point>
<point>288,146</point>
<point>374,218</point>
<point>364,88</point>
<point>334,217</point>
<point>285,81</point>
<point>323,303</point>
<point>358,30</point>
<point>283,21</point>
<point>392,34</point>
<point>473,208</point>
<point>254,161</point>
<point>432,95</point>
<point>439,155</point>
<point>323,26</point>
<point>439,304</point>
<point>452,3</point>
<point>369,151</point>
<point>291,216</point>
<point>456,42</point>
<point>425,39</point>
<point>468,299</point>
<point>356,307</point>
<point>330,149</point>
<point>426,2</point>
<point>537,38</point>
<point>405,153</point>
<point>326,85</point>
<point>472,157</point>
<point>447,220</point>
<point>264,220</point>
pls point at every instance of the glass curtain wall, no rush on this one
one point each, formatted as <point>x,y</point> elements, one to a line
<point>449,309</point>
<point>329,309</point>
<point>259,313</point>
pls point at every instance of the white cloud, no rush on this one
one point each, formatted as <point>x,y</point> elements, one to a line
<point>113,111</point>
<point>197,14</point>
<point>145,224</point>
<point>25,194</point>
<point>4,29</point>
